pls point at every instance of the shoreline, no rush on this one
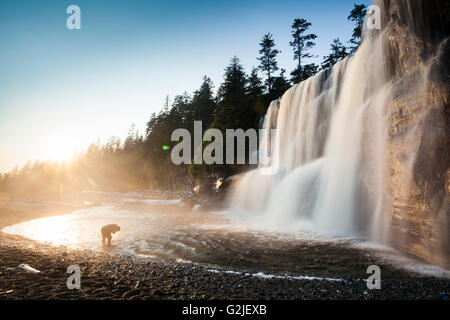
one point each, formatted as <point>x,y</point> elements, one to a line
<point>110,276</point>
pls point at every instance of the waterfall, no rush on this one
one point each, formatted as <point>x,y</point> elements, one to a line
<point>334,164</point>
<point>327,152</point>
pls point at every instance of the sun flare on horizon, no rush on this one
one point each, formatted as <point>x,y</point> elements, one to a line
<point>59,148</point>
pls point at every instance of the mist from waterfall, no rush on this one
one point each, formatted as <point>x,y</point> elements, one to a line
<point>328,154</point>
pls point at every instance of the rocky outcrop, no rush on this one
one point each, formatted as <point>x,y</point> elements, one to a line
<point>212,194</point>
<point>418,146</point>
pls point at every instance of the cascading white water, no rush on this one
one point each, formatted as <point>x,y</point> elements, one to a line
<point>327,157</point>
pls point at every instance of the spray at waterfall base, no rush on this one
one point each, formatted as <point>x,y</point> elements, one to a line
<point>348,156</point>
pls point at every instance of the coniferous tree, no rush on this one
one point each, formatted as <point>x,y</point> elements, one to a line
<point>256,98</point>
<point>132,139</point>
<point>309,70</point>
<point>306,71</point>
<point>203,103</point>
<point>357,15</point>
<point>236,99</point>
<point>281,84</point>
<point>268,62</point>
<point>181,110</point>
<point>255,88</point>
<point>233,89</point>
<point>301,44</point>
<point>338,52</point>
<point>234,109</point>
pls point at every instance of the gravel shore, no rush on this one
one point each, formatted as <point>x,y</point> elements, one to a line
<point>107,276</point>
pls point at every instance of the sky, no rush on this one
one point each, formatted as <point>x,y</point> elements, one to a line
<point>61,89</point>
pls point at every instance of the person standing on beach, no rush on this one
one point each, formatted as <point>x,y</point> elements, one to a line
<point>106,232</point>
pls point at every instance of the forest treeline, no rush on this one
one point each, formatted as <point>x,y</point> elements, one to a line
<point>143,160</point>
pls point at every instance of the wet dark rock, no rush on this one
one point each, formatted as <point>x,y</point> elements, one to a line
<point>224,184</point>
<point>419,130</point>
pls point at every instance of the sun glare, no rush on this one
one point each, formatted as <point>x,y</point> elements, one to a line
<point>59,149</point>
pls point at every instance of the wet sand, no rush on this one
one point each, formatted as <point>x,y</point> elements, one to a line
<point>108,276</point>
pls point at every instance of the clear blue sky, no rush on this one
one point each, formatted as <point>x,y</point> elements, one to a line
<point>63,89</point>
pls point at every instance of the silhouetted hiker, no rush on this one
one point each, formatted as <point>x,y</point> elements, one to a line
<point>106,232</point>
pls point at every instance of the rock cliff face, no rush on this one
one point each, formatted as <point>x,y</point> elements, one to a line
<point>418,146</point>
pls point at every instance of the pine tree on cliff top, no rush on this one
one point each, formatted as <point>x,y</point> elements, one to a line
<point>338,52</point>
<point>268,62</point>
<point>301,44</point>
<point>357,15</point>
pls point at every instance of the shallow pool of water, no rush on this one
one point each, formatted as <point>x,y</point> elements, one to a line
<point>161,228</point>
